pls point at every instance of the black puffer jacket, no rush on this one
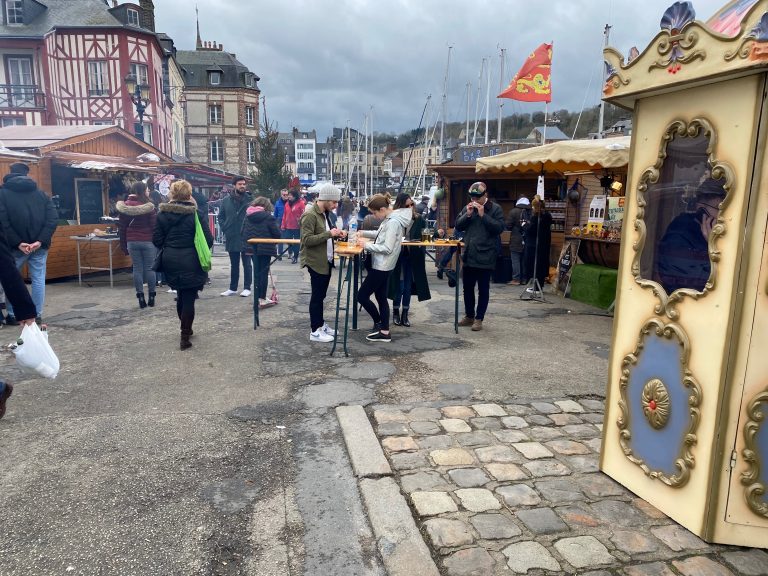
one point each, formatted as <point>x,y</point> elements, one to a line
<point>260,225</point>
<point>481,235</point>
<point>175,235</point>
<point>27,213</point>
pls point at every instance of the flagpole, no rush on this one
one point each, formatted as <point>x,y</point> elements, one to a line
<point>546,113</point>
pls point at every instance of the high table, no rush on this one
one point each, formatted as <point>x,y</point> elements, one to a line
<point>457,260</point>
<point>256,268</point>
<point>345,251</point>
<point>109,240</point>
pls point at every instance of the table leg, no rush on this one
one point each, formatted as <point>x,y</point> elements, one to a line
<point>342,259</point>
<point>79,269</point>
<point>255,266</point>
<point>346,308</point>
<point>111,282</point>
<point>456,294</point>
<point>356,279</point>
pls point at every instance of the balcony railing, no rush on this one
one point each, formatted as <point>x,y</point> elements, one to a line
<point>21,96</point>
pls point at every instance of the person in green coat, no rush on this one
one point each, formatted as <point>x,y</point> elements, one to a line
<point>231,216</point>
<point>410,274</point>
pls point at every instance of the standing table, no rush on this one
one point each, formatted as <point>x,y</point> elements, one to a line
<point>346,251</point>
<point>457,260</point>
<point>108,240</point>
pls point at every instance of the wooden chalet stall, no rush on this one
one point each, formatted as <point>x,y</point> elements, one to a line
<point>576,173</point>
<point>85,169</point>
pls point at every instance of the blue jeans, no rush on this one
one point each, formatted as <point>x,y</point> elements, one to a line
<point>404,284</point>
<point>234,271</point>
<point>293,249</point>
<point>516,259</point>
<point>36,263</point>
<point>142,256</point>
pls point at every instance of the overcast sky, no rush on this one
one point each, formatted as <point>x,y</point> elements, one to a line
<point>325,63</point>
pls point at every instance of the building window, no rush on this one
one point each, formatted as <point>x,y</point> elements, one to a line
<point>214,78</point>
<point>133,17</point>
<point>12,121</point>
<point>250,116</point>
<point>146,129</point>
<point>217,151</point>
<point>214,114</point>
<point>140,72</point>
<point>98,79</point>
<point>14,13</point>
<point>251,152</point>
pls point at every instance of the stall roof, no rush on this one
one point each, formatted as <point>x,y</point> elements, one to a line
<point>565,156</point>
<point>41,136</point>
<point>105,163</point>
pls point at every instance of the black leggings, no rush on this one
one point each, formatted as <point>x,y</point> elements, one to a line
<point>263,279</point>
<point>185,308</point>
<point>376,282</point>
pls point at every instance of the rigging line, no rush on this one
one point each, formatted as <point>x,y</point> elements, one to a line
<point>407,165</point>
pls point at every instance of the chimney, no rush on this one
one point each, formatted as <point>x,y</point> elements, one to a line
<point>147,18</point>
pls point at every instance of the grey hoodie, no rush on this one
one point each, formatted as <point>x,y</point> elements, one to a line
<point>389,237</point>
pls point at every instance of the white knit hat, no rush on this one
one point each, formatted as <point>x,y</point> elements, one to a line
<point>523,202</point>
<point>329,192</point>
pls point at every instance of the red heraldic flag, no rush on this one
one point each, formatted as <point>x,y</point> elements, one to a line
<point>533,83</point>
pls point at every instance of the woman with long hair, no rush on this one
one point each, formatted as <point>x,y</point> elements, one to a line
<point>384,252</point>
<point>137,221</point>
<point>175,235</point>
<point>259,223</point>
<point>410,271</point>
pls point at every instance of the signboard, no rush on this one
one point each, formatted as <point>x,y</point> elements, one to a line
<point>596,213</point>
<point>89,199</point>
<point>568,257</point>
<point>615,209</point>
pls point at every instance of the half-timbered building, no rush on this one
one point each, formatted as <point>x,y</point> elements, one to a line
<point>64,62</point>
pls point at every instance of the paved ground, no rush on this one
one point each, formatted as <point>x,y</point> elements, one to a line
<point>228,459</point>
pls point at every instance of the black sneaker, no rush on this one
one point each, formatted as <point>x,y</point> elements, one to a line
<point>5,393</point>
<point>375,329</point>
<point>379,337</point>
<point>11,320</point>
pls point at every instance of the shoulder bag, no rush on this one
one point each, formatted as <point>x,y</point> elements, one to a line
<point>201,245</point>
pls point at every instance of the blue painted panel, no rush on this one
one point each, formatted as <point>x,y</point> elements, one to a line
<point>761,450</point>
<point>660,358</point>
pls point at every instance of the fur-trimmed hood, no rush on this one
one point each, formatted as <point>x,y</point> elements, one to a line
<point>178,207</point>
<point>134,209</point>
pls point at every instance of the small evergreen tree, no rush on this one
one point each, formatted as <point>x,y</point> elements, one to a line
<point>271,174</point>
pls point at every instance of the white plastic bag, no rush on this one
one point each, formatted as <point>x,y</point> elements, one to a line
<point>34,354</point>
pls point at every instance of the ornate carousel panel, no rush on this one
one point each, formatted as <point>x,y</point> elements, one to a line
<point>755,479</point>
<point>659,404</point>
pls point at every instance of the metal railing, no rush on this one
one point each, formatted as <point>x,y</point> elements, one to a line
<point>21,96</point>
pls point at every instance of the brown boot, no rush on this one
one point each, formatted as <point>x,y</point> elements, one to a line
<point>477,325</point>
<point>466,321</point>
<point>184,343</point>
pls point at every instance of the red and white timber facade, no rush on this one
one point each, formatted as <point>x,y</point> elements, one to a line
<point>76,77</point>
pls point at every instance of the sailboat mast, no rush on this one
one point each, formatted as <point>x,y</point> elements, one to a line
<point>365,165</point>
<point>466,130</point>
<point>607,34</point>
<point>445,98</point>
<point>372,156</point>
<point>487,99</point>
<point>501,101</point>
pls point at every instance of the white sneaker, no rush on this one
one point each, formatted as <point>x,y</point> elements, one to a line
<point>245,293</point>
<point>171,291</point>
<point>328,330</point>
<point>320,336</point>
<point>229,292</point>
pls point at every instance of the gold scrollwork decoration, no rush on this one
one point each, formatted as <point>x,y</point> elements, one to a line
<point>676,46</point>
<point>685,460</point>
<point>742,51</point>
<point>755,490</point>
<point>719,170</point>
<point>656,403</point>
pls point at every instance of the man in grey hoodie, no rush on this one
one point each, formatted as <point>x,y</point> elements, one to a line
<point>384,251</point>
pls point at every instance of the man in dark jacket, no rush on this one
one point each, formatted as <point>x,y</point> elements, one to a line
<point>231,216</point>
<point>28,219</point>
<point>482,222</point>
<point>17,295</point>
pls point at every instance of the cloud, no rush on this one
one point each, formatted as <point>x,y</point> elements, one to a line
<point>324,63</point>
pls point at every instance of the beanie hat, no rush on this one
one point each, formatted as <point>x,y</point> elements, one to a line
<point>522,202</point>
<point>329,192</point>
<point>19,168</point>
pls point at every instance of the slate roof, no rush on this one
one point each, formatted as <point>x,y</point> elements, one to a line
<point>61,13</point>
<point>553,133</point>
<point>195,65</point>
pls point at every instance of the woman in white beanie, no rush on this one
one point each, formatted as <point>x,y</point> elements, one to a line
<point>316,253</point>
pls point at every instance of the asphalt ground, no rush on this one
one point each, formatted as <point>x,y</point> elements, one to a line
<point>228,458</point>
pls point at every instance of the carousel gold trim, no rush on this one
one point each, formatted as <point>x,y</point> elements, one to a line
<point>656,403</point>
<point>720,170</point>
<point>685,461</point>
<point>669,44</point>
<point>755,489</point>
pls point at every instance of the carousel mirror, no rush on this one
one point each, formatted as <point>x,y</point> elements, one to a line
<point>682,206</point>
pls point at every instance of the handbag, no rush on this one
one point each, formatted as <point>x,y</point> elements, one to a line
<point>201,245</point>
<point>157,265</point>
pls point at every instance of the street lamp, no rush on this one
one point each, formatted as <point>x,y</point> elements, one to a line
<point>140,97</point>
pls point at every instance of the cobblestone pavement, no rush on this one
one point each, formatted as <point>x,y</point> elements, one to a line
<point>515,488</point>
